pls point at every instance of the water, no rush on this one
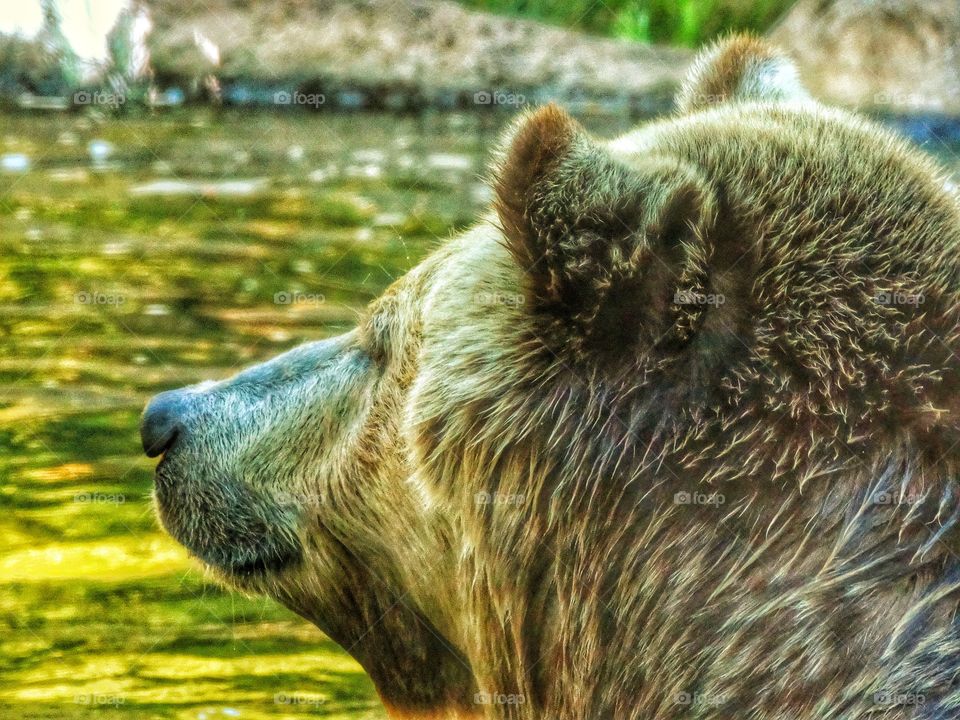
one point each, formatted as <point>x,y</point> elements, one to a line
<point>142,254</point>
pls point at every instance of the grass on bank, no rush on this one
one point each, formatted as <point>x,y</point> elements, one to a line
<point>677,22</point>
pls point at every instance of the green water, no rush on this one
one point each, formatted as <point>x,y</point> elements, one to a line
<point>110,294</point>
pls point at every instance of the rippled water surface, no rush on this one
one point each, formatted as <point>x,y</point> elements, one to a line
<point>142,254</point>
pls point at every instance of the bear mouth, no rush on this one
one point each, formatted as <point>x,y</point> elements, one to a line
<point>268,563</point>
<point>233,530</point>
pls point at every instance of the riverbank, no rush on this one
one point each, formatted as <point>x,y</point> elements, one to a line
<point>375,54</point>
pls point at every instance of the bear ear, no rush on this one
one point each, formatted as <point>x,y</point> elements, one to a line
<point>609,250</point>
<point>740,68</point>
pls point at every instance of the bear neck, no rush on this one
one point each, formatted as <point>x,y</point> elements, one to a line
<point>399,625</point>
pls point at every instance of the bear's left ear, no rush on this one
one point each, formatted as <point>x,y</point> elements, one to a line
<point>740,68</point>
<point>609,250</point>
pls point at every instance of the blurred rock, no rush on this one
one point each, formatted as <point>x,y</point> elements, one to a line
<point>449,162</point>
<point>223,189</point>
<point>373,156</point>
<point>156,310</point>
<point>369,171</point>
<point>99,151</point>
<point>388,220</point>
<point>14,163</point>
<point>324,174</point>
<point>295,153</point>
<point>896,55</point>
<point>69,175</point>
<point>43,102</point>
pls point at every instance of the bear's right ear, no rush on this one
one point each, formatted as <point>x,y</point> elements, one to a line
<point>606,247</point>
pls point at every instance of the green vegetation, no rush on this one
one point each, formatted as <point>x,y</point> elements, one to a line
<point>679,22</point>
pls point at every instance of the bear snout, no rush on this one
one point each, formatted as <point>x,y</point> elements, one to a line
<point>162,423</point>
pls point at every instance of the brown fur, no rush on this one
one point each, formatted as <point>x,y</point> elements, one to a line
<point>599,241</point>
<point>538,144</point>
<point>672,433</point>
<point>733,69</point>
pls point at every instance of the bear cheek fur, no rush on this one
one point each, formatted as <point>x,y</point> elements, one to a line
<point>383,560</point>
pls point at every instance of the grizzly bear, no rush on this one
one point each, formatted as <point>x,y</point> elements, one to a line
<point>671,432</point>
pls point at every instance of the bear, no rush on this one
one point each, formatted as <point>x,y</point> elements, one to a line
<point>670,432</point>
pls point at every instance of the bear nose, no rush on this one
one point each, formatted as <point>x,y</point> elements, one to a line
<point>162,422</point>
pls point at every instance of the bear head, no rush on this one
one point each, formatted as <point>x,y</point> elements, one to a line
<point>671,429</point>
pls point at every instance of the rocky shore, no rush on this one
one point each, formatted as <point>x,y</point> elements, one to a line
<point>362,53</point>
<point>894,56</point>
<point>901,56</point>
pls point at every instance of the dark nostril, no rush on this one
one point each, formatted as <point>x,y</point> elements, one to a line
<point>162,422</point>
